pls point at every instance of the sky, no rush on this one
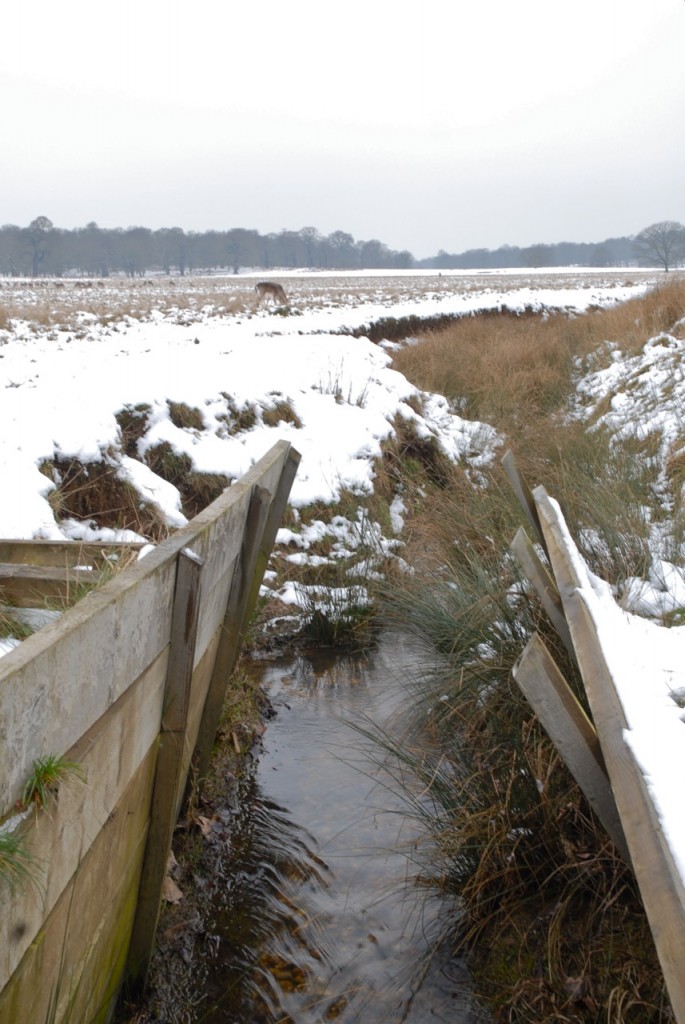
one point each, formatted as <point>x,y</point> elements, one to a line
<point>427,126</point>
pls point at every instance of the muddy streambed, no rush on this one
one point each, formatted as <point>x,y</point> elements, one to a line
<point>309,915</point>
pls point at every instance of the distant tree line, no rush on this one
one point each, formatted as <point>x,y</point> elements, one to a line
<point>661,244</point>
<point>41,249</point>
<point>614,252</point>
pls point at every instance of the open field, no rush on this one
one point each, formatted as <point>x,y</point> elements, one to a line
<point>74,302</point>
<point>129,404</point>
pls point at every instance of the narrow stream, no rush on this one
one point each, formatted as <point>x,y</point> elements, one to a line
<point>315,920</point>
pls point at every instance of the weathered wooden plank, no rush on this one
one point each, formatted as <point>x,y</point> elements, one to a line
<point>267,504</point>
<point>77,953</point>
<point>67,552</point>
<point>110,754</point>
<point>60,681</point>
<point>202,677</point>
<point>42,693</point>
<point>218,541</point>
<point>568,571</point>
<point>544,586</point>
<point>169,763</point>
<point>213,608</point>
<point>524,495</point>
<point>35,586</point>
<point>660,881</point>
<point>571,731</point>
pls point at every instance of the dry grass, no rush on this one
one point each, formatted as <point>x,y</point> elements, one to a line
<point>94,491</point>
<point>507,370</point>
<point>494,366</point>
<point>197,489</point>
<point>550,914</point>
<point>518,374</point>
<point>76,304</point>
<point>281,411</point>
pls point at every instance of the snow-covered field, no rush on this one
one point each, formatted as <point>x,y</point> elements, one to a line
<point>71,357</point>
<point>73,354</point>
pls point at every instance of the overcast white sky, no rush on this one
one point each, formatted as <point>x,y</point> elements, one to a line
<point>429,125</point>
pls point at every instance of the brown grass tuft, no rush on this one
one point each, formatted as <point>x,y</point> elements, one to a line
<point>197,489</point>
<point>94,491</point>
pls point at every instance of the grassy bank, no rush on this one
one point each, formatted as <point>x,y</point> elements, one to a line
<point>549,913</point>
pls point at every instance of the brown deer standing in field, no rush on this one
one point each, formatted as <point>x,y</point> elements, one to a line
<point>267,289</point>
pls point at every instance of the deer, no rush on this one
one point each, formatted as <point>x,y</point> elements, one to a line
<point>267,289</point>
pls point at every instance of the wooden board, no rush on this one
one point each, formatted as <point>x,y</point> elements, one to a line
<point>44,586</point>
<point>66,553</point>
<point>571,732</point>
<point>661,885</point>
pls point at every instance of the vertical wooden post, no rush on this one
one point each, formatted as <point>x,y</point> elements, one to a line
<point>263,519</point>
<point>232,627</point>
<point>169,761</point>
<point>278,503</point>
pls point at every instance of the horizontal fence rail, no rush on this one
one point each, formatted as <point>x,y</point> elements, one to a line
<point>128,684</point>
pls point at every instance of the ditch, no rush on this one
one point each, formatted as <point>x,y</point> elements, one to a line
<point>309,911</point>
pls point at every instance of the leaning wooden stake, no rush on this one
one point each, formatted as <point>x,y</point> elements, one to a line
<point>571,731</point>
<point>169,764</point>
<point>543,584</point>
<point>524,495</point>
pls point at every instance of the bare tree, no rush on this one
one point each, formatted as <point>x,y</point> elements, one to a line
<point>662,244</point>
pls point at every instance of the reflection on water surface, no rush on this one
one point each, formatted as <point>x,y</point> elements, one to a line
<point>315,919</point>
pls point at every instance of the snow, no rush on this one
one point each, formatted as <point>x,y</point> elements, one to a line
<point>64,382</point>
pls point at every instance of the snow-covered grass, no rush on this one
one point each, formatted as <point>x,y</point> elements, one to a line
<point>92,373</point>
<point>64,383</point>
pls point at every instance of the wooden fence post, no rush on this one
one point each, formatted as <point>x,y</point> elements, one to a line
<point>263,519</point>
<point>278,503</point>
<point>169,761</point>
<point>232,628</point>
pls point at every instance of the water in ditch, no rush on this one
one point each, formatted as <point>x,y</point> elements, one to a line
<point>316,918</point>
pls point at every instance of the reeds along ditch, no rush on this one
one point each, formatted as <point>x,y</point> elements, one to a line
<point>550,915</point>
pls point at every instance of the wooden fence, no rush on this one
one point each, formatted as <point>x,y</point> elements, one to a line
<point>128,683</point>
<point>597,752</point>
